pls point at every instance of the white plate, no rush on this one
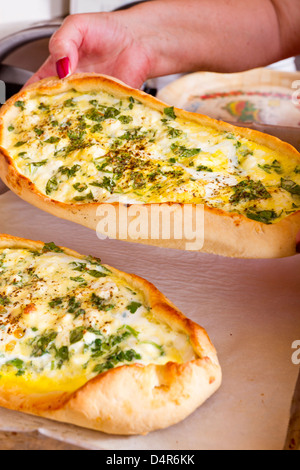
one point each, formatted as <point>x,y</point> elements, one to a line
<point>261,96</point>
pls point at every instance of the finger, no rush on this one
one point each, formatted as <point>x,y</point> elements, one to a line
<point>65,44</point>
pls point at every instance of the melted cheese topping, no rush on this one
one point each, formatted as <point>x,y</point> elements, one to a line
<point>63,320</point>
<point>79,148</point>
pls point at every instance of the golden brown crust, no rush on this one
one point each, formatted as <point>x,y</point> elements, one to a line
<point>226,234</point>
<point>132,399</point>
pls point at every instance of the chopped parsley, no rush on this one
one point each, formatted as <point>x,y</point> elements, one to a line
<point>100,303</point>
<point>69,172</point>
<point>37,164</point>
<point>20,104</point>
<point>170,112</point>
<point>204,168</point>
<point>20,143</point>
<point>52,247</point>
<point>107,183</point>
<point>52,185</point>
<point>97,128</point>
<point>86,197</point>
<point>76,335</point>
<point>184,152</point>
<point>52,140</point>
<point>56,302</point>
<point>249,190</point>
<point>290,186</point>
<point>95,273</point>
<point>131,102</point>
<point>4,301</point>
<point>62,355</point>
<point>125,119</point>
<point>18,364</point>
<point>41,343</point>
<point>80,187</point>
<point>264,216</point>
<point>173,133</point>
<point>44,107</point>
<point>275,166</point>
<point>38,131</point>
<point>70,103</point>
<point>133,307</point>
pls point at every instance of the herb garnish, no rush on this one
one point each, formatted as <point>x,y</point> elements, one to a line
<point>70,172</point>
<point>44,107</point>
<point>125,119</point>
<point>4,301</point>
<point>100,303</point>
<point>133,307</point>
<point>173,133</point>
<point>52,140</point>
<point>52,247</point>
<point>290,186</point>
<point>204,168</point>
<point>80,187</point>
<point>249,190</point>
<point>38,131</point>
<point>41,343</point>
<point>52,185</point>
<point>20,104</point>
<point>264,216</point>
<point>18,364</point>
<point>107,183</point>
<point>184,152</point>
<point>56,302</point>
<point>275,166</point>
<point>86,197</point>
<point>20,143</point>
<point>76,335</point>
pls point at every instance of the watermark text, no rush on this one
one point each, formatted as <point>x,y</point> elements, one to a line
<point>181,224</point>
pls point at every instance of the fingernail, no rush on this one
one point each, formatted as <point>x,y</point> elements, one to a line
<point>63,67</point>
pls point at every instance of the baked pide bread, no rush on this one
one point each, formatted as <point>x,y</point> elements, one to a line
<point>74,146</point>
<point>83,343</point>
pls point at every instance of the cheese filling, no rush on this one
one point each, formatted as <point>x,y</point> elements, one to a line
<point>64,320</point>
<point>79,148</point>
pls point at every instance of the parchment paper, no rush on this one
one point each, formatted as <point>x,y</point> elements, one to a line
<point>250,310</point>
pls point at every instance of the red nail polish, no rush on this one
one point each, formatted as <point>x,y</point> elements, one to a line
<point>63,67</point>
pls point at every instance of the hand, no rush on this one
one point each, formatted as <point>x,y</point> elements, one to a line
<point>164,37</point>
<point>98,42</point>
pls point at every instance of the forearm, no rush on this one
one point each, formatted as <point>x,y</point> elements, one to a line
<point>212,35</point>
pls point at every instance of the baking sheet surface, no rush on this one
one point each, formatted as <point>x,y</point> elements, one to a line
<point>250,310</point>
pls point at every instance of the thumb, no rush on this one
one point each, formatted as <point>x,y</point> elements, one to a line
<point>64,46</point>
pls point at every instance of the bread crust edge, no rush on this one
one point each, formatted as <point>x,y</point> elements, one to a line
<point>130,399</point>
<point>225,234</point>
